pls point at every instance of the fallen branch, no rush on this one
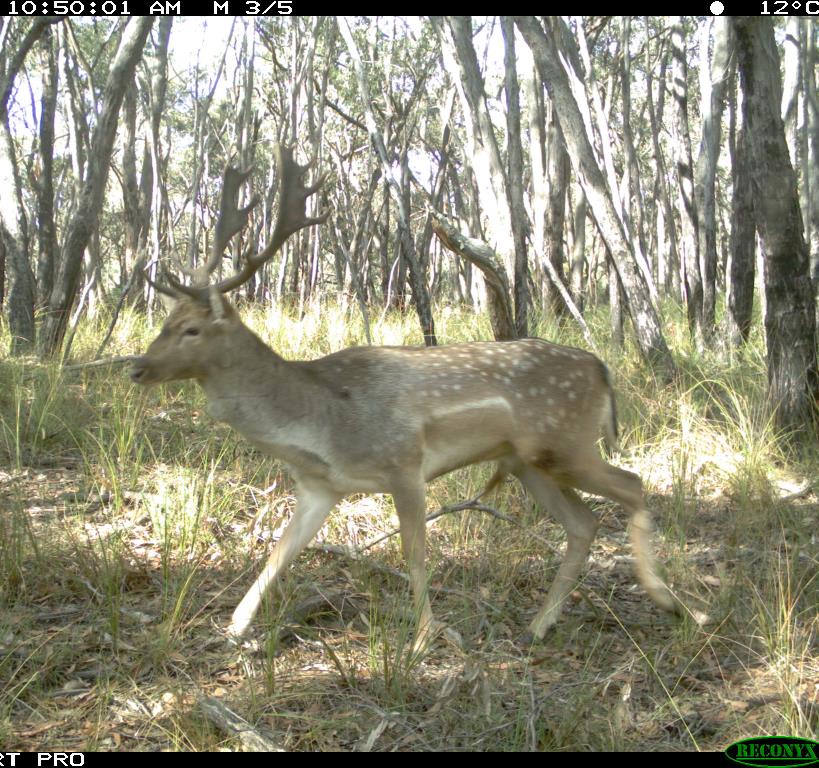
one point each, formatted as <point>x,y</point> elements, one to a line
<point>228,721</point>
<point>464,505</point>
<point>118,360</point>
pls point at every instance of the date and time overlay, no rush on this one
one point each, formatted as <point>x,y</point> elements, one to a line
<point>292,7</point>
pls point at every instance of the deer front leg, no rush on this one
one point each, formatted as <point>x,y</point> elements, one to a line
<point>410,504</point>
<point>312,507</point>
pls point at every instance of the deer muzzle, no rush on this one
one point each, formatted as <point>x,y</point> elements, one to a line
<point>140,371</point>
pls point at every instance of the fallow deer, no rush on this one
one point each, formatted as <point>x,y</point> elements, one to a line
<point>390,419</point>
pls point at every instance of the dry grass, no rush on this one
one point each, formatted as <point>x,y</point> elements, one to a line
<point>131,524</point>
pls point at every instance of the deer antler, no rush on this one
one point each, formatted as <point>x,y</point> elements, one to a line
<point>291,217</point>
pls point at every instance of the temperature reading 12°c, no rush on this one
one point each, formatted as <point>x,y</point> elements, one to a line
<point>270,7</point>
<point>789,7</point>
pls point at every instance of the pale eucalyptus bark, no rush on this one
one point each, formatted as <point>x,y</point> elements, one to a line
<point>790,322</point>
<point>2,273</point>
<point>483,153</point>
<point>537,156</point>
<point>713,83</point>
<point>550,63</point>
<point>481,255</point>
<point>791,85</point>
<point>685,177</point>
<point>81,226</point>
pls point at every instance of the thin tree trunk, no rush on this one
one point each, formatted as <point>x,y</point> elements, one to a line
<point>741,257</point>
<point>515,177</point>
<point>46,232</point>
<point>559,167</point>
<point>712,86</point>
<point>668,257</point>
<point>579,249</point>
<point>685,175</point>
<point>537,154</point>
<point>618,338</point>
<point>633,209</point>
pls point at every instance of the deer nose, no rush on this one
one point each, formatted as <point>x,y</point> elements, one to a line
<point>138,369</point>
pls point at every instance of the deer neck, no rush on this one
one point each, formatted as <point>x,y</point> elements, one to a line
<point>264,397</point>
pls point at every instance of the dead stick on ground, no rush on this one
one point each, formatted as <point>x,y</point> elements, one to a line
<point>461,507</point>
<point>229,722</point>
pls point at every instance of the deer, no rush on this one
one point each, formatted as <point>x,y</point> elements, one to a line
<point>389,419</point>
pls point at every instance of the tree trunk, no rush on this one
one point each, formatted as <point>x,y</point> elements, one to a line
<point>81,226</point>
<point>515,176</point>
<point>579,250</point>
<point>712,87</point>
<point>13,222</point>
<point>668,255</point>
<point>558,169</point>
<point>615,306</point>
<point>482,151</point>
<point>811,179</point>
<point>537,155</point>
<point>741,257</point>
<point>2,273</point>
<point>684,163</point>
<point>633,204</point>
<point>550,63</point>
<point>790,323</point>
<point>46,232</point>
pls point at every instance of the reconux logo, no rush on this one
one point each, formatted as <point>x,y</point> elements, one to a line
<point>774,751</point>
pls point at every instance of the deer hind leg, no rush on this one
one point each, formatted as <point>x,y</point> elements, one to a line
<point>580,524</point>
<point>410,504</point>
<point>626,488</point>
<point>312,507</point>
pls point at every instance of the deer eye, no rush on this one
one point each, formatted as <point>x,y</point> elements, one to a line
<point>191,332</point>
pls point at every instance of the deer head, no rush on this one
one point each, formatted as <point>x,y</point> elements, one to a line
<point>201,331</point>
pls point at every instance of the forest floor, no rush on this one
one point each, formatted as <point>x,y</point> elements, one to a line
<point>131,524</point>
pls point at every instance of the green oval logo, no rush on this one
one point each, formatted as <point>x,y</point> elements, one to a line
<point>774,751</point>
